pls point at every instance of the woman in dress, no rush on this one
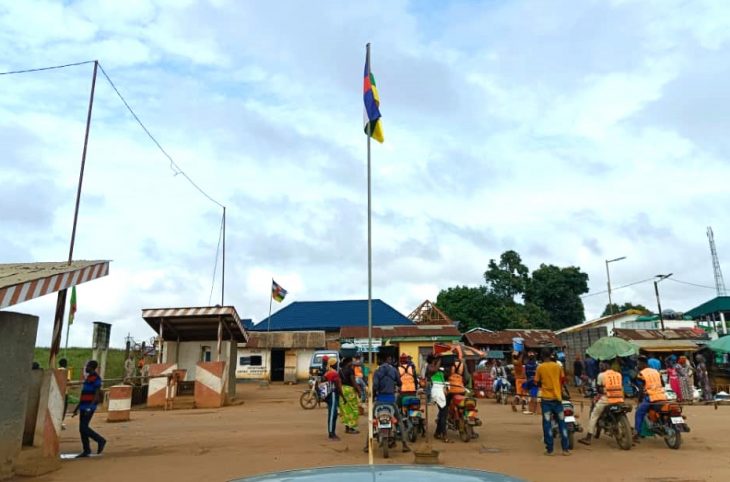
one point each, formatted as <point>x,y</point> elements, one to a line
<point>702,378</point>
<point>673,377</point>
<point>684,386</point>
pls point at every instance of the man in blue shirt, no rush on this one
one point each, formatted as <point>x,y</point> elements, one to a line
<point>386,380</point>
<point>87,407</point>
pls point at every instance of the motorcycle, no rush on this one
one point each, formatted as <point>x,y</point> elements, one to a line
<point>385,427</point>
<point>463,417</point>
<point>615,423</point>
<point>413,413</point>
<point>311,397</point>
<point>665,419</point>
<point>502,393</point>
<point>571,423</point>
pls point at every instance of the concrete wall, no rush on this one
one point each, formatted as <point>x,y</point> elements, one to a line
<point>190,353</point>
<point>17,339</point>
<point>31,411</point>
<point>247,372</point>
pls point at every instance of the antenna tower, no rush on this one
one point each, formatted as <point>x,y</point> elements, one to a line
<point>719,281</point>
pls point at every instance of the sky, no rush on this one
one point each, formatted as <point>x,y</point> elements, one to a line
<point>571,132</point>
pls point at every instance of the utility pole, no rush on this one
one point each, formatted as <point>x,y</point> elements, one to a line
<point>660,277</point>
<point>608,278</point>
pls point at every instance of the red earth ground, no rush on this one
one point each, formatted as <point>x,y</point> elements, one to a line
<point>269,432</point>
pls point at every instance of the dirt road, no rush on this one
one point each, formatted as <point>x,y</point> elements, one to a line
<point>271,432</point>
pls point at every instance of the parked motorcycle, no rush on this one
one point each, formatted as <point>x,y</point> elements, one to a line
<point>463,417</point>
<point>615,423</point>
<point>385,427</point>
<point>571,423</point>
<point>665,419</point>
<point>414,414</point>
<point>502,393</point>
<point>311,397</point>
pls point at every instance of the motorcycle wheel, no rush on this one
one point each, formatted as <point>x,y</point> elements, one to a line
<point>504,399</point>
<point>623,433</point>
<point>308,400</point>
<point>673,438</point>
<point>571,439</point>
<point>463,435</point>
<point>384,446</point>
<point>412,435</point>
<point>470,432</point>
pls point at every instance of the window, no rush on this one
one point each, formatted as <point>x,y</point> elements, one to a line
<point>253,361</point>
<point>205,353</point>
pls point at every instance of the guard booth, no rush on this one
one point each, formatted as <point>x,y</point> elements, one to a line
<point>197,355</point>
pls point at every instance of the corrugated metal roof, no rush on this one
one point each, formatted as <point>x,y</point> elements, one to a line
<point>287,339</point>
<point>669,334</point>
<point>719,303</point>
<point>600,321</point>
<point>331,316</point>
<point>416,331</point>
<point>533,338</point>
<point>665,345</point>
<point>198,323</point>
<point>21,282</point>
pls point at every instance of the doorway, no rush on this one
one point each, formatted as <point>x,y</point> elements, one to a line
<point>277,364</point>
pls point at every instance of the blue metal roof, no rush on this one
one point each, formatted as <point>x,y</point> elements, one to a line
<point>330,316</point>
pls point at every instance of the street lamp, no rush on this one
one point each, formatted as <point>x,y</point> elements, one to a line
<point>660,277</point>
<point>608,277</point>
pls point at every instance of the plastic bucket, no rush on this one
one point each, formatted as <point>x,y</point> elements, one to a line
<point>518,344</point>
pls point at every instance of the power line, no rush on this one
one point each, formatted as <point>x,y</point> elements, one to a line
<point>617,288</point>
<point>173,165</point>
<point>40,69</point>
<point>691,284</point>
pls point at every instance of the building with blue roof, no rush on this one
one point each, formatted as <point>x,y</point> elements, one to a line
<point>330,316</point>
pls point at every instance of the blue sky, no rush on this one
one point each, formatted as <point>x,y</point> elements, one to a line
<point>571,132</point>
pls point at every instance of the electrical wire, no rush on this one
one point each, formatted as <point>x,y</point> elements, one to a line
<point>40,69</point>
<point>692,284</point>
<point>173,165</point>
<point>617,288</point>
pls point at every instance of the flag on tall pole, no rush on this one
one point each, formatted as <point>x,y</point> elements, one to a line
<point>371,113</point>
<point>277,292</point>
<point>72,307</point>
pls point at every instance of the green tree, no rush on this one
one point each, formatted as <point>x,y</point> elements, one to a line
<point>557,291</point>
<point>625,307</point>
<point>508,278</point>
<point>464,304</point>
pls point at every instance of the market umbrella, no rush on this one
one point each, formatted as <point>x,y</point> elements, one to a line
<point>721,344</point>
<point>610,347</point>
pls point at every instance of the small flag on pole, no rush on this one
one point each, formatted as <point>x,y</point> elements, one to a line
<point>371,114</point>
<point>277,292</point>
<point>72,307</point>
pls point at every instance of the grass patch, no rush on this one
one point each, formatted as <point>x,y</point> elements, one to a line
<point>77,358</point>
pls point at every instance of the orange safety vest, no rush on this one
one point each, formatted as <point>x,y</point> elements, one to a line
<point>613,384</point>
<point>456,379</point>
<point>408,383</point>
<point>358,371</point>
<point>653,385</point>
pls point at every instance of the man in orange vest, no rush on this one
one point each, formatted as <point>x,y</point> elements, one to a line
<point>651,391</point>
<point>609,384</point>
<point>407,372</point>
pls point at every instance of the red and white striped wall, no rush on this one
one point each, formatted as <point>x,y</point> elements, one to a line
<point>120,403</point>
<point>210,384</point>
<point>157,389</point>
<point>48,283</point>
<point>50,412</point>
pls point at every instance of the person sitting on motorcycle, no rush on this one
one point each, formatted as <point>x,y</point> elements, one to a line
<point>457,380</point>
<point>386,381</point>
<point>651,391</point>
<point>409,381</point>
<point>609,385</point>
<point>499,376</point>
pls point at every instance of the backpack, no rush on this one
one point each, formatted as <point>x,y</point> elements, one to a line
<point>325,389</point>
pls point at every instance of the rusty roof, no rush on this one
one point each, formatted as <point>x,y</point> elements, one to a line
<point>533,338</point>
<point>405,331</point>
<point>669,334</point>
<point>286,339</point>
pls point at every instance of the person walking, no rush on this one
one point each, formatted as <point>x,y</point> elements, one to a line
<point>549,378</point>
<point>438,395</point>
<point>348,403</point>
<point>703,380</point>
<point>332,390</point>
<point>520,380</point>
<point>87,406</point>
<point>684,372</point>
<point>360,377</point>
<point>578,371</point>
<point>530,385</point>
<point>591,367</point>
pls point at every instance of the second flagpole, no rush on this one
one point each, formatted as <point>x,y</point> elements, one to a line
<point>370,292</point>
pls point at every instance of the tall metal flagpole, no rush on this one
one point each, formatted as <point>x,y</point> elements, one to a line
<point>61,300</point>
<point>370,289</point>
